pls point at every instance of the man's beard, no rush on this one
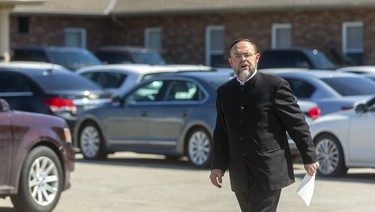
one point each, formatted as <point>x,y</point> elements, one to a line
<point>244,74</point>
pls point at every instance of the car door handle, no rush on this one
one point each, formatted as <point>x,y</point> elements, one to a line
<point>184,114</point>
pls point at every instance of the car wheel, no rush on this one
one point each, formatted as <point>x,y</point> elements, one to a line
<point>199,148</point>
<point>41,181</point>
<point>330,156</point>
<point>91,142</point>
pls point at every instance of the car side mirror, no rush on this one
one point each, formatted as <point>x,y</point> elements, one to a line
<point>360,108</point>
<point>118,101</point>
<point>4,105</point>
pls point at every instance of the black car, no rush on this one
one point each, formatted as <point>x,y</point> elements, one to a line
<point>49,89</point>
<point>129,54</point>
<point>71,58</point>
<point>295,58</point>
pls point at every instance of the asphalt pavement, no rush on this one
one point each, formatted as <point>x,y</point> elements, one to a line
<point>148,183</point>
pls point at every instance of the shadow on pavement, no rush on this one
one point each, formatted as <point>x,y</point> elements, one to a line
<point>359,176</point>
<point>143,160</point>
<point>7,209</point>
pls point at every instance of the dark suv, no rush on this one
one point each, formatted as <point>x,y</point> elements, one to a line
<point>295,58</point>
<point>127,54</point>
<point>69,57</point>
<point>36,159</point>
<point>49,89</point>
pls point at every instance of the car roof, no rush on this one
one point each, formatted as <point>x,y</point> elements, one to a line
<point>291,49</point>
<point>309,73</point>
<point>125,48</point>
<point>66,48</point>
<point>357,68</point>
<point>205,75</point>
<point>143,68</point>
<point>128,67</point>
<point>30,65</point>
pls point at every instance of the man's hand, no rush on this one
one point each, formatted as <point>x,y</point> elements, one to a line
<point>216,177</point>
<point>311,168</point>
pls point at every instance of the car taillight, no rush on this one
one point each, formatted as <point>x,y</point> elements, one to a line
<point>59,105</point>
<point>314,113</point>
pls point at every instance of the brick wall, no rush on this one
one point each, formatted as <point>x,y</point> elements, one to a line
<point>184,35</point>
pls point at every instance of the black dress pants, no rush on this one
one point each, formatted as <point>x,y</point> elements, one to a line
<point>256,199</point>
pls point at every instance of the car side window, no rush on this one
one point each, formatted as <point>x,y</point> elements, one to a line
<point>182,91</point>
<point>29,55</point>
<point>297,59</point>
<point>13,82</point>
<point>106,79</point>
<point>148,92</point>
<point>301,89</point>
<point>114,58</point>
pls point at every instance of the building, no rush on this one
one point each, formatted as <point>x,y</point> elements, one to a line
<point>199,31</point>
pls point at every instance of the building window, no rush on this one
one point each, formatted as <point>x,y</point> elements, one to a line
<point>153,38</point>
<point>215,46</point>
<point>281,36</point>
<point>75,37</point>
<point>23,25</point>
<point>352,40</point>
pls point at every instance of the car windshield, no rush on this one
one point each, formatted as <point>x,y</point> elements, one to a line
<point>349,86</point>
<point>320,60</point>
<point>62,81</point>
<point>73,59</point>
<point>149,57</point>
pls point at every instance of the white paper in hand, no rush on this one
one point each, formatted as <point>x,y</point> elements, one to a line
<point>306,188</point>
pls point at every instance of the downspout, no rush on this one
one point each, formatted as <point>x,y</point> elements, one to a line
<point>4,32</point>
<point>115,20</point>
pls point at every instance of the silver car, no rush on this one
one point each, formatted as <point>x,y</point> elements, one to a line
<point>333,91</point>
<point>171,114</point>
<point>119,78</point>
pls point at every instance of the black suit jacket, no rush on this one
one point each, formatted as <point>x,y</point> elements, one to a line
<point>250,131</point>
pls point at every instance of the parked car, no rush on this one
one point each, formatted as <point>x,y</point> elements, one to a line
<point>71,58</point>
<point>129,54</point>
<point>358,69</point>
<point>169,114</point>
<point>118,78</point>
<point>345,139</point>
<point>36,159</point>
<point>367,71</point>
<point>49,89</point>
<point>331,90</point>
<point>294,58</point>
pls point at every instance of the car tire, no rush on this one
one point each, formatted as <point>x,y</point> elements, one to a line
<point>91,142</point>
<point>199,147</point>
<point>330,156</point>
<point>41,181</point>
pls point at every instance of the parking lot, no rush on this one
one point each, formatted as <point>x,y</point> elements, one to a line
<point>139,183</point>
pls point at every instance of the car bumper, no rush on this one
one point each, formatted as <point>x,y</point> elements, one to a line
<point>68,162</point>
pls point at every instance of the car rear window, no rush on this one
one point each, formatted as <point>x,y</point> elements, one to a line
<point>351,86</point>
<point>58,81</point>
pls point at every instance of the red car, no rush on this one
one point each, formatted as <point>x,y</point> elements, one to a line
<point>36,159</point>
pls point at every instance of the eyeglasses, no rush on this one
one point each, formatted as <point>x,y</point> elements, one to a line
<point>240,56</point>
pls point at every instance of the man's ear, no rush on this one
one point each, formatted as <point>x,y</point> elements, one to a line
<point>257,57</point>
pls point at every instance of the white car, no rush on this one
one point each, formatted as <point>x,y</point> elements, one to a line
<point>345,139</point>
<point>358,69</point>
<point>367,71</point>
<point>118,78</point>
